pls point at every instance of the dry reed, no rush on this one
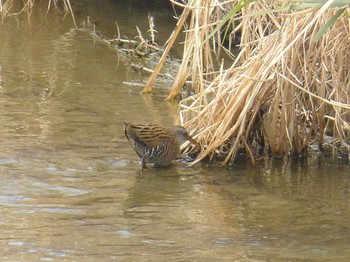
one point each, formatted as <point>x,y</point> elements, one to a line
<point>281,93</point>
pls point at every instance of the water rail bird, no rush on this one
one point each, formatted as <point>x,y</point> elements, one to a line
<point>156,144</point>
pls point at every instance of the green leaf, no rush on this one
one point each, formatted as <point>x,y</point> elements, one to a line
<point>312,3</point>
<point>328,25</point>
<point>229,16</point>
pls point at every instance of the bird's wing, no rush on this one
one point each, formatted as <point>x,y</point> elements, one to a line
<point>146,134</point>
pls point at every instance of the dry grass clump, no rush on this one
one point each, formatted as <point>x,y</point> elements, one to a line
<point>282,92</point>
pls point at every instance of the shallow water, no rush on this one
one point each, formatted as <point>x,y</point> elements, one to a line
<point>71,185</point>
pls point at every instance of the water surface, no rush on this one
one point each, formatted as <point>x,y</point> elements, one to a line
<point>71,187</point>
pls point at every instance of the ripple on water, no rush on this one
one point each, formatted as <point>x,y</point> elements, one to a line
<point>125,233</point>
<point>8,161</point>
<point>12,200</point>
<point>70,191</point>
<point>65,190</point>
<point>49,253</point>
<point>16,243</point>
<point>58,210</point>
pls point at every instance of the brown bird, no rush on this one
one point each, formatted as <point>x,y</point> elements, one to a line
<point>155,144</point>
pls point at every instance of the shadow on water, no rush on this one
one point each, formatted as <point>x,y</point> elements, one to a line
<point>71,187</point>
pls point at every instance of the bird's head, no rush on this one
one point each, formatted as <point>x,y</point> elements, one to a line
<point>182,135</point>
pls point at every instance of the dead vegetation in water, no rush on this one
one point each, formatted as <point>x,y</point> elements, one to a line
<point>282,93</point>
<point>139,46</point>
<point>140,53</point>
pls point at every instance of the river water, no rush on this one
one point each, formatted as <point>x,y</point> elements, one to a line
<point>71,187</point>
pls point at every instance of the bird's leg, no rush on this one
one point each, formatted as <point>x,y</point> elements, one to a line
<point>143,163</point>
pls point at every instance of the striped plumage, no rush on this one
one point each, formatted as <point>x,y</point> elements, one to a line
<point>155,144</point>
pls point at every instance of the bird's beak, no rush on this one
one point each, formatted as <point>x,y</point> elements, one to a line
<point>194,142</point>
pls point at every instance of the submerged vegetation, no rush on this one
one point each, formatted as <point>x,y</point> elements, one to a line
<point>286,90</point>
